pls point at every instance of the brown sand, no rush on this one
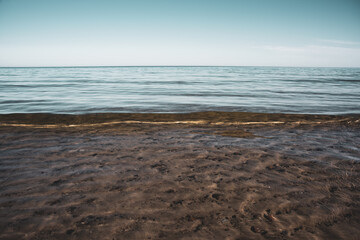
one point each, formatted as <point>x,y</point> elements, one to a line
<point>179,176</point>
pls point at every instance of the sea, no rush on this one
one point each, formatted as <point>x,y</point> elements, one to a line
<point>80,90</point>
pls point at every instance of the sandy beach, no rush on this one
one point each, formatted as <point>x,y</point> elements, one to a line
<point>209,175</point>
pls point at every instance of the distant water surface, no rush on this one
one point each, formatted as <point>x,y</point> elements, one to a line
<point>180,89</point>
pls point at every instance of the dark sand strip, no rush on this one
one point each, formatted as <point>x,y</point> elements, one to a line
<point>201,117</point>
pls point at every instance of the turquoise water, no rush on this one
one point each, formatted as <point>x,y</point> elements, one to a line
<point>180,89</point>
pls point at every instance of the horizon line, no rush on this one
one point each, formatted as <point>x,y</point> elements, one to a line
<point>99,66</point>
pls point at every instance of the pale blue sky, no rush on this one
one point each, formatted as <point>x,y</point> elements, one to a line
<point>186,32</point>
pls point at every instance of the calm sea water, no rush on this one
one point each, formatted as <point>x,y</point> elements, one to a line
<point>180,89</point>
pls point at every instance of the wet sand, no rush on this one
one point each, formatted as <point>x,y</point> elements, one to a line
<point>205,175</point>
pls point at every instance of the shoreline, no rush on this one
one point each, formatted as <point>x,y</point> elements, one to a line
<point>213,118</point>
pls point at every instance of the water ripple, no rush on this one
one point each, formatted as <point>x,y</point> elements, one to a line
<point>180,89</point>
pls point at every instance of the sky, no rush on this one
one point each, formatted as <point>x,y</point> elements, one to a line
<point>311,33</point>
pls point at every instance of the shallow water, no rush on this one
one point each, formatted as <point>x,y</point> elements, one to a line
<point>133,181</point>
<point>180,89</point>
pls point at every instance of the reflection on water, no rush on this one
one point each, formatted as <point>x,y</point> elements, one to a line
<point>180,89</point>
